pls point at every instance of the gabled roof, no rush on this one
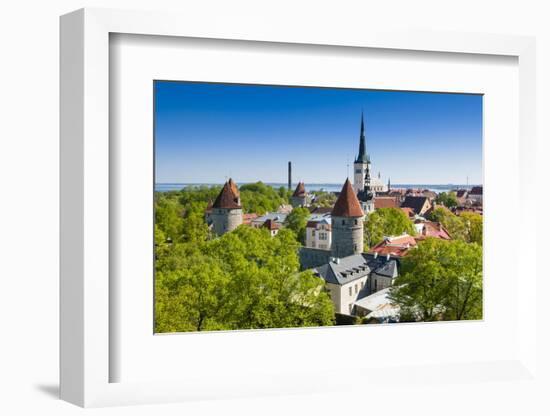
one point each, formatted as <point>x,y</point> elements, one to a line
<point>414,202</point>
<point>226,198</point>
<point>300,190</point>
<point>434,229</point>
<point>347,204</point>
<point>394,246</point>
<point>461,193</point>
<point>356,266</point>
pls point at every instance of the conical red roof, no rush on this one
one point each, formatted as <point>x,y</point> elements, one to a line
<point>227,198</point>
<point>234,187</point>
<point>300,190</point>
<point>347,204</point>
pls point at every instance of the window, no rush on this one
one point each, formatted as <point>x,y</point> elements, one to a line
<point>356,288</point>
<point>375,285</point>
<point>355,222</point>
<point>343,222</point>
<point>355,247</point>
<point>350,290</point>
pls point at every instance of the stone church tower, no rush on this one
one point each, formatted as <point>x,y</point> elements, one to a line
<point>362,163</point>
<point>362,182</point>
<point>227,213</point>
<point>347,224</point>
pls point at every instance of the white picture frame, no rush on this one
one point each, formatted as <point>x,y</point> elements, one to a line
<point>86,353</point>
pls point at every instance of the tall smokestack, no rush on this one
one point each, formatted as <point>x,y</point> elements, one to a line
<point>289,176</point>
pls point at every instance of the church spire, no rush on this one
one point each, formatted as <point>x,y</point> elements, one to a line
<point>362,157</point>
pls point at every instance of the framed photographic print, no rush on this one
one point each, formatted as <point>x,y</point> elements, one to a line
<point>256,214</point>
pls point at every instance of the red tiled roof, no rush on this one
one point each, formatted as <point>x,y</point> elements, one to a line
<point>347,204</point>
<point>395,246</point>
<point>234,188</point>
<point>247,218</point>
<point>434,229</point>
<point>226,198</point>
<point>300,190</point>
<point>385,202</point>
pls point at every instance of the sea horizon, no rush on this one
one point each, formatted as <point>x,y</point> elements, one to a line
<point>328,187</point>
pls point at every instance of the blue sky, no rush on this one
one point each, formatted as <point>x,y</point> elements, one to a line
<point>205,133</point>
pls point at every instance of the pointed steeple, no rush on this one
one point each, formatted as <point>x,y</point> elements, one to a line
<point>234,187</point>
<point>300,190</point>
<point>347,204</point>
<point>227,199</point>
<point>362,156</point>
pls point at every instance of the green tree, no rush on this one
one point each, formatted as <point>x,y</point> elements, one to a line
<point>297,221</point>
<point>244,279</point>
<point>323,199</point>
<point>261,198</point>
<point>467,226</point>
<point>440,280</point>
<point>447,199</point>
<point>386,222</point>
<point>168,217</point>
<point>454,225</point>
<point>474,227</point>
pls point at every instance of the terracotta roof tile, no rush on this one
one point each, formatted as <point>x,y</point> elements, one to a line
<point>347,204</point>
<point>385,202</point>
<point>226,198</point>
<point>234,188</point>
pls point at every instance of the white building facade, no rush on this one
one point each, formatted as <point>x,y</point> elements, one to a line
<point>319,232</point>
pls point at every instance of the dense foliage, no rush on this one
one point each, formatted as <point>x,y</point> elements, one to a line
<point>323,199</point>
<point>440,280</point>
<point>386,222</point>
<point>244,279</point>
<point>467,226</point>
<point>261,198</point>
<point>447,199</point>
<point>297,221</point>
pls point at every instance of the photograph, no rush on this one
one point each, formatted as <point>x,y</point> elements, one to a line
<point>281,206</point>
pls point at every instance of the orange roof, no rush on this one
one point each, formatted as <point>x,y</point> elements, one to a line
<point>347,204</point>
<point>234,187</point>
<point>300,190</point>
<point>247,218</point>
<point>385,202</point>
<point>226,198</point>
<point>394,246</point>
<point>434,229</point>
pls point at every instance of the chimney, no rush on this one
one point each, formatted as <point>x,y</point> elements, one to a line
<point>289,176</point>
